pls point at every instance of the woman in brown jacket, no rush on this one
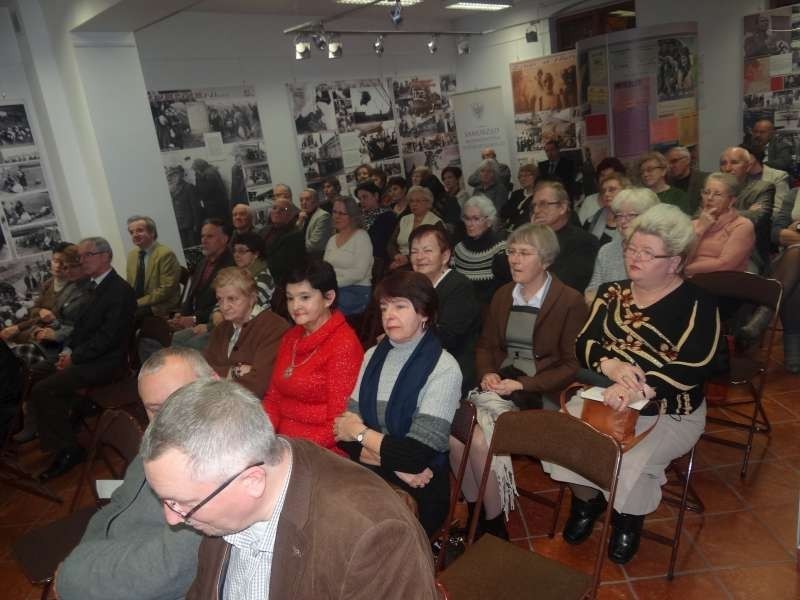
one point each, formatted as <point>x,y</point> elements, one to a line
<point>243,347</point>
<point>525,354</point>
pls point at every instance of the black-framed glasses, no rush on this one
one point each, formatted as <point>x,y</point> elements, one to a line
<point>170,504</point>
<point>88,254</point>
<point>544,205</point>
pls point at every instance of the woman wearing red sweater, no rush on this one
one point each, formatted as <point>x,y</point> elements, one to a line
<point>318,359</point>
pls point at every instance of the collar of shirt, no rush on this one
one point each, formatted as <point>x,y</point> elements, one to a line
<point>538,297</point>
<point>149,251</point>
<point>442,276</point>
<point>99,279</point>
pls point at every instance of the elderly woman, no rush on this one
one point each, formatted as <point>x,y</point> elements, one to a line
<point>610,263</point>
<point>459,318</point>
<point>398,418</point>
<point>602,224</point>
<point>725,239</point>
<point>653,336</point>
<point>318,359</point>
<point>479,256</point>
<point>588,207</point>
<point>525,354</point>
<point>420,201</point>
<point>489,183</point>
<point>349,251</point>
<point>517,211</point>
<point>244,345</point>
<point>653,168</point>
<point>248,253</point>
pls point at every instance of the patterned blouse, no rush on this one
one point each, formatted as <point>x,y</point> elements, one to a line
<point>673,340</point>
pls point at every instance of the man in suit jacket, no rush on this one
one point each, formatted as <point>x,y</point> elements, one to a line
<point>94,353</point>
<point>284,244</point>
<point>682,176</point>
<point>558,168</point>
<point>128,552</point>
<point>152,270</point>
<point>316,223</point>
<point>285,518</point>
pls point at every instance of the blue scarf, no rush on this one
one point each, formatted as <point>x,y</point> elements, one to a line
<point>403,399</point>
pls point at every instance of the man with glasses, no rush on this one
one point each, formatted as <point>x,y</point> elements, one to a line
<point>283,517</point>
<point>127,551</point>
<point>578,248</point>
<point>284,244</point>
<point>95,353</point>
<point>683,176</point>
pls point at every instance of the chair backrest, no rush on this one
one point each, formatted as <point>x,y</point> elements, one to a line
<point>155,328</point>
<point>742,286</point>
<point>464,423</point>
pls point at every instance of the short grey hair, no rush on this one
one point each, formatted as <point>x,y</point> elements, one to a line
<point>149,223</point>
<point>726,179</point>
<point>670,224</point>
<point>420,189</point>
<point>283,185</point>
<point>155,362</point>
<point>682,150</point>
<point>353,210</point>
<point>656,157</point>
<point>484,205</point>
<point>637,199</point>
<point>490,163</point>
<point>540,237</point>
<point>100,245</point>
<point>219,425</point>
<point>562,196</point>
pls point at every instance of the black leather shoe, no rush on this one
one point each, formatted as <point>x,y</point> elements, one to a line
<point>582,516</point>
<point>63,462</point>
<point>625,536</point>
<point>496,526</point>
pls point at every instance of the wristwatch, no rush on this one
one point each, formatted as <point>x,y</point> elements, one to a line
<point>360,435</point>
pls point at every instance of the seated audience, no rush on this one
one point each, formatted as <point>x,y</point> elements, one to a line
<point>503,170</point>
<point>479,256</point>
<point>445,206</point>
<point>517,211</point>
<point>459,315</point>
<point>340,530</point>
<point>724,238</point>
<point>242,220</point>
<point>451,179</point>
<point>610,263</point>
<point>652,170</point>
<point>127,550</point>
<point>578,248</point>
<point>683,176</point>
<point>420,201</point>
<point>783,202</point>
<point>316,223</point>
<point>243,347</point>
<point>378,221</point>
<point>418,175</point>
<point>378,177</point>
<point>195,314</point>
<point>778,151</point>
<point>318,359</point>
<point>396,189</point>
<point>349,251</point>
<point>331,189</point>
<point>667,361</point>
<point>487,181</point>
<point>248,253</point>
<point>398,418</point>
<point>94,353</point>
<point>558,168</point>
<point>284,244</point>
<point>602,224</point>
<point>587,208</point>
<point>152,270</point>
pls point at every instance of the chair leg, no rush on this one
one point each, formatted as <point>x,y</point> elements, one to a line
<point>46,590</point>
<point>681,513</point>
<point>556,511</point>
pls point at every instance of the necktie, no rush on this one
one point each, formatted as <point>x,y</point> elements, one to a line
<point>552,167</point>
<point>138,285</point>
<point>92,286</point>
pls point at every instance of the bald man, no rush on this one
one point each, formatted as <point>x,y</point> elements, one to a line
<point>777,151</point>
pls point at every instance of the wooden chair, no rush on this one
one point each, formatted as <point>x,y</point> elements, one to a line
<point>491,568</point>
<point>40,551</point>
<point>462,429</point>
<point>749,370</point>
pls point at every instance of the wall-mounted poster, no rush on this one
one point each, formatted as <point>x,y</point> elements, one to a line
<point>213,153</point>
<point>545,93</point>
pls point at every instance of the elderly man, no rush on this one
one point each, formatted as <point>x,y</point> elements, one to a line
<point>784,199</point>
<point>681,175</point>
<point>94,354</point>
<point>127,551</point>
<point>315,222</point>
<point>284,518</point>
<point>558,168</point>
<point>754,201</point>
<point>242,219</point>
<point>490,183</point>
<point>577,247</point>
<point>284,244</point>
<point>504,172</point>
<point>152,270</point>
<point>777,151</point>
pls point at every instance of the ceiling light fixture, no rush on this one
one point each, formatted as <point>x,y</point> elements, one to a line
<point>487,5</point>
<point>319,41</point>
<point>463,47</point>
<point>334,47</point>
<point>378,45</point>
<point>381,3</point>
<point>432,45</point>
<point>302,48</point>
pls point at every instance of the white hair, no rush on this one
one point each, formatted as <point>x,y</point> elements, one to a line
<point>484,205</point>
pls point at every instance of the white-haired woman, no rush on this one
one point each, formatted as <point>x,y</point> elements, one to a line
<point>653,336</point>
<point>479,256</point>
<point>610,264</point>
<point>420,201</point>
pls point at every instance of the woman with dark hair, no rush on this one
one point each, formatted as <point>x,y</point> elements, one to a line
<point>451,179</point>
<point>517,211</point>
<point>459,321</point>
<point>396,189</point>
<point>318,359</point>
<point>398,418</point>
<point>587,208</point>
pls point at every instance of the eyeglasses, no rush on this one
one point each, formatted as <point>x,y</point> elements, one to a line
<point>544,205</point>
<point>625,216</point>
<point>473,219</point>
<point>88,254</point>
<point>282,209</point>
<point>170,504</point>
<point>712,195</point>
<point>511,252</point>
<point>644,255</point>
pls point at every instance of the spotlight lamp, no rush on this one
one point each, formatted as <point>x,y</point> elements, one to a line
<point>302,48</point>
<point>378,45</point>
<point>463,47</point>
<point>334,47</point>
<point>433,46</point>
<point>396,13</point>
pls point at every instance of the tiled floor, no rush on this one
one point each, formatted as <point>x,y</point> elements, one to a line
<point>742,547</point>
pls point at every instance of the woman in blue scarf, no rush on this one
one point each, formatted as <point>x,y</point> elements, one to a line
<point>398,420</point>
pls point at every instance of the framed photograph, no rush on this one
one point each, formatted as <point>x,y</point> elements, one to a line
<point>24,210</point>
<point>15,129</point>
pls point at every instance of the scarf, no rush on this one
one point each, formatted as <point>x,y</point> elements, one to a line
<point>369,216</point>
<point>405,392</point>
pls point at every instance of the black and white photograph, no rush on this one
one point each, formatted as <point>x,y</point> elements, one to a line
<point>20,178</point>
<point>26,209</point>
<point>19,283</point>
<point>767,33</point>
<point>5,244</point>
<point>417,97</point>
<point>251,153</point>
<point>236,119</point>
<point>784,100</point>
<point>791,81</point>
<point>379,141</point>
<point>371,104</point>
<point>391,167</point>
<point>15,129</point>
<point>170,110</point>
<point>677,68</point>
<point>760,100</point>
<point>18,154</point>
<point>34,239</point>
<point>314,108</point>
<point>320,154</point>
<point>257,175</point>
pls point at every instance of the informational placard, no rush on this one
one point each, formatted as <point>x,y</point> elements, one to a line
<point>479,121</point>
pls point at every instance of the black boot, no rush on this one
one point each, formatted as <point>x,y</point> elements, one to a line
<point>625,536</point>
<point>495,527</point>
<point>757,324</point>
<point>582,516</point>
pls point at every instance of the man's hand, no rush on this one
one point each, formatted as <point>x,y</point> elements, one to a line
<point>64,361</point>
<point>46,316</point>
